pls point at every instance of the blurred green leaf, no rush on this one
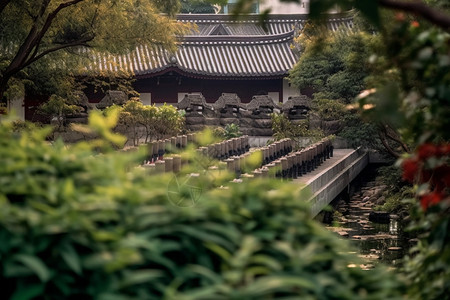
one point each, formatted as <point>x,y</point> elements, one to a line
<point>71,258</point>
<point>140,276</point>
<point>35,264</point>
<point>28,292</point>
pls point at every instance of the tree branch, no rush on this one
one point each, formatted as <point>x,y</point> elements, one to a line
<point>386,145</point>
<point>28,51</point>
<point>80,42</point>
<point>48,23</point>
<point>420,9</point>
<point>393,135</point>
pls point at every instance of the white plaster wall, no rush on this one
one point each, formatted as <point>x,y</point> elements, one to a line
<point>146,98</point>
<point>275,96</point>
<point>289,91</point>
<point>278,7</point>
<point>17,106</point>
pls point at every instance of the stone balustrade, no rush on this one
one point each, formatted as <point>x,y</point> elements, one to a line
<point>295,164</point>
<point>278,160</point>
<point>221,150</point>
<point>225,149</point>
<point>157,149</point>
<point>268,154</point>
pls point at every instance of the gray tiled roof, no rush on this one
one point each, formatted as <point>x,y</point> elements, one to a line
<point>231,99</point>
<point>250,25</point>
<point>222,48</point>
<point>261,100</point>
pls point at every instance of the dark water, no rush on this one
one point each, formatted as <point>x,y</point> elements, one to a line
<point>382,242</point>
<point>374,242</point>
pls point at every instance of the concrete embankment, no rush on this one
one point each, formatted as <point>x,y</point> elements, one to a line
<point>333,176</point>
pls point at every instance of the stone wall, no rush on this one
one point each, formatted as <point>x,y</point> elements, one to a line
<point>252,118</point>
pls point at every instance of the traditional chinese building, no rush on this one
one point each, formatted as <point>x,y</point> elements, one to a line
<point>222,56</point>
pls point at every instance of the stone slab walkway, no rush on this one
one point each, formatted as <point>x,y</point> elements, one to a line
<point>338,155</point>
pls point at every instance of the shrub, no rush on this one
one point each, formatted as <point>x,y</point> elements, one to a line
<point>282,128</point>
<point>58,108</point>
<point>158,122</point>
<point>79,224</point>
<point>228,132</point>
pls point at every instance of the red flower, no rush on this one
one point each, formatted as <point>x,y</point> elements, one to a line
<point>444,150</point>
<point>400,16</point>
<point>415,24</point>
<point>442,174</point>
<point>425,175</point>
<point>430,199</point>
<point>410,169</point>
<point>427,150</point>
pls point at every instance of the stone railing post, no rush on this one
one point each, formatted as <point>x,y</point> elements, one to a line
<point>169,164</point>
<point>176,163</point>
<point>160,166</point>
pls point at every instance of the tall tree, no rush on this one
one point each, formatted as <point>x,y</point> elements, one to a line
<point>31,30</point>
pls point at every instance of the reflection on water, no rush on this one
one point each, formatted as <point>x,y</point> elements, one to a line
<point>375,242</point>
<point>393,227</point>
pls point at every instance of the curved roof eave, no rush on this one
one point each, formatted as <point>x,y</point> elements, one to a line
<point>203,75</point>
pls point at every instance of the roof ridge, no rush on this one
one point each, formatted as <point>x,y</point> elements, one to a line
<point>256,18</point>
<point>237,39</point>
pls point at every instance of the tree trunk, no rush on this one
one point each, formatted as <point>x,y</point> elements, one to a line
<point>3,85</point>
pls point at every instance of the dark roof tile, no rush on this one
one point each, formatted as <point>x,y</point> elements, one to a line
<point>242,48</point>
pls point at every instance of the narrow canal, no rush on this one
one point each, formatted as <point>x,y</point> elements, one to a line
<point>386,242</point>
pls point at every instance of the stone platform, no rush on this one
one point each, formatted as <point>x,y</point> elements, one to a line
<point>333,176</point>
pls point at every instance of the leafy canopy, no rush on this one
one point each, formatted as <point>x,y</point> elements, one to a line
<point>32,30</point>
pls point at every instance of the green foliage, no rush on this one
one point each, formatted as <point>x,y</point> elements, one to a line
<point>57,108</point>
<point>329,110</point>
<point>118,81</point>
<point>168,121</point>
<point>282,128</point>
<point>78,224</point>
<point>158,121</point>
<point>357,132</point>
<point>418,103</point>
<point>232,130</point>
<point>45,37</point>
<point>337,67</point>
<point>333,65</point>
<point>427,265</point>
<point>228,132</point>
<point>391,176</point>
<point>19,125</point>
<point>3,109</point>
<point>396,190</point>
<point>411,95</point>
<point>394,204</point>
